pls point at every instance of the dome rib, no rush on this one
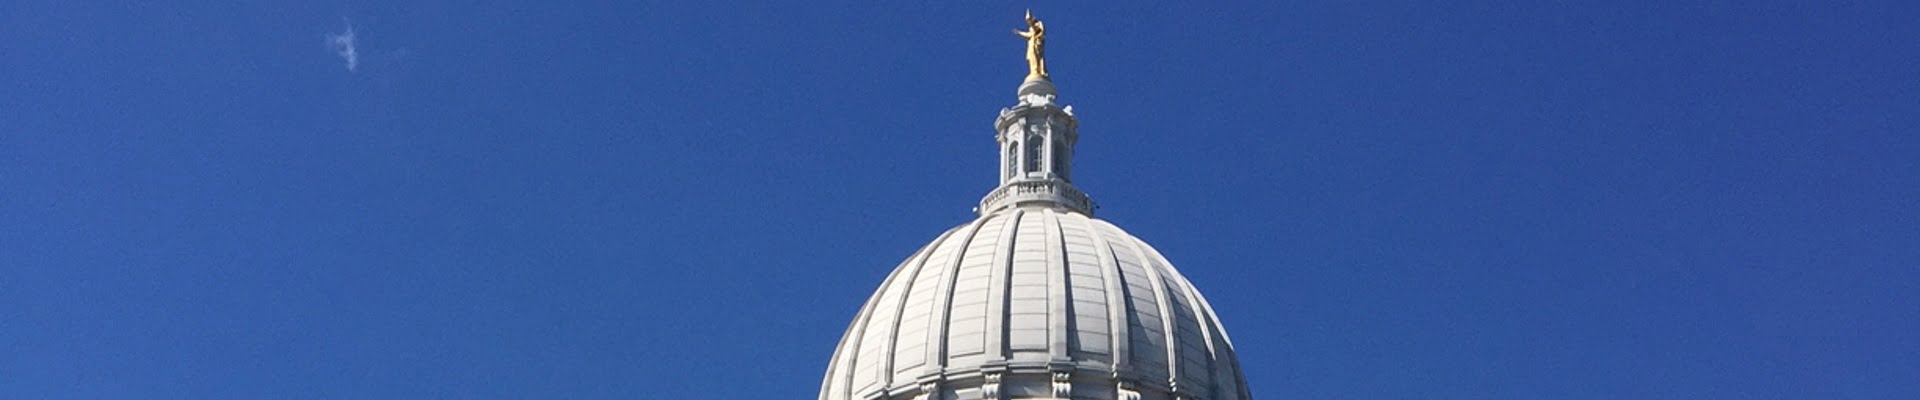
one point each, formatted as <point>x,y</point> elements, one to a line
<point>1117,304</point>
<point>938,322</point>
<point>998,285</point>
<point>1060,284</point>
<point>1204,314</point>
<point>1160,299</point>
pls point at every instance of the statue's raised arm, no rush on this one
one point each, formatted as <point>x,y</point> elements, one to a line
<point>1036,35</point>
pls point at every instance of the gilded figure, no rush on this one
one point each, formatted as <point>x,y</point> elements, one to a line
<point>1036,35</point>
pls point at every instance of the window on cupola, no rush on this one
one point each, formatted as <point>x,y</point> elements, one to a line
<point>1033,154</point>
<point>1013,159</point>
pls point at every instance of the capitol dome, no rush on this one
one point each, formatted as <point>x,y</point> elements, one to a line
<point>1035,298</point>
<point>1045,302</point>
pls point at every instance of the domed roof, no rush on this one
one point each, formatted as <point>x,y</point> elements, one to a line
<point>1035,301</point>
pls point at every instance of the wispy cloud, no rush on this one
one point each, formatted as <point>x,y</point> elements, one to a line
<point>343,44</point>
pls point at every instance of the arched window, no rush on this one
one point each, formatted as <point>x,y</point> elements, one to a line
<point>1012,157</point>
<point>1033,153</point>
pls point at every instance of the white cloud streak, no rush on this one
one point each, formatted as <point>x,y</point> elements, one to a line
<point>343,45</point>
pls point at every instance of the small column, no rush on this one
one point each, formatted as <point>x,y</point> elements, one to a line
<point>991,389</point>
<point>1126,390</point>
<point>929,390</point>
<point>1063,384</point>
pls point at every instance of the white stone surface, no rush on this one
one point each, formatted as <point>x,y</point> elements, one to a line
<point>1035,302</point>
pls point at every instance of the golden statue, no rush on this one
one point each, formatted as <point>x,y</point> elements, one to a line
<point>1036,35</point>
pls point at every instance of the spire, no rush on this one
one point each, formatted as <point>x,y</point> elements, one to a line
<point>1036,138</point>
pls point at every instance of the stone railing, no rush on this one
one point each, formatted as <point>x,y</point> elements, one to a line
<point>1049,190</point>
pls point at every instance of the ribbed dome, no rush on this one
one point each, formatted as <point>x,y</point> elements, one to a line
<point>1035,302</point>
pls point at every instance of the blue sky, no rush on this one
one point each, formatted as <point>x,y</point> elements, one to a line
<point>687,200</point>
